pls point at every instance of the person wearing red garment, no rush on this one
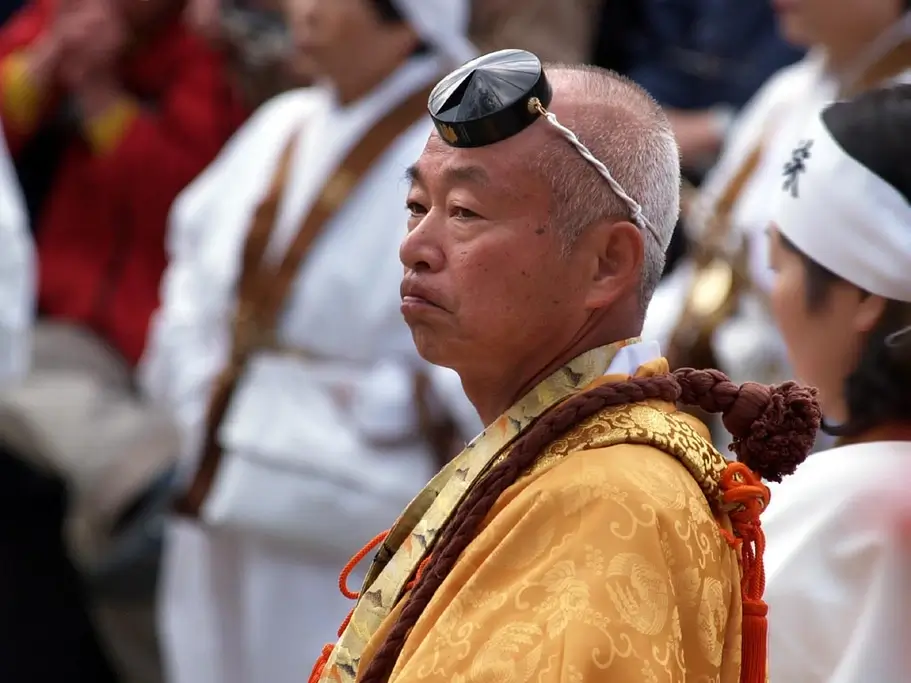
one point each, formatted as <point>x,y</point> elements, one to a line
<point>152,107</point>
<point>139,105</point>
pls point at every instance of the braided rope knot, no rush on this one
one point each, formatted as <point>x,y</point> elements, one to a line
<point>774,427</point>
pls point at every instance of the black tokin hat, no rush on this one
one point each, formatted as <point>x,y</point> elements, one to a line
<point>489,99</point>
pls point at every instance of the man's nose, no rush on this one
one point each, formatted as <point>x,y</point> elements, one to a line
<point>421,249</point>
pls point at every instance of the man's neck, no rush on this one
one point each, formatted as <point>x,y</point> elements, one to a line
<point>494,395</point>
<point>893,431</point>
<point>844,57</point>
<point>841,60</point>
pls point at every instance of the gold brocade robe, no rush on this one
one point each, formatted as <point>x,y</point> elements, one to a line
<point>604,562</point>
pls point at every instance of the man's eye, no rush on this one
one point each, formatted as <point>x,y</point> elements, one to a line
<point>459,212</point>
<point>415,209</point>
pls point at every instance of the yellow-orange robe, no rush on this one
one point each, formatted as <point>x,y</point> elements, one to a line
<point>604,562</point>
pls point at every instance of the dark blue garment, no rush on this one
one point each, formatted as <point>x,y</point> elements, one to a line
<point>693,54</point>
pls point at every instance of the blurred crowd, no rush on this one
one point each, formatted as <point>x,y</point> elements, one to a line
<point>144,164</point>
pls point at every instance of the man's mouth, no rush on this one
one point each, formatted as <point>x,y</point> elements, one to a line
<point>415,296</point>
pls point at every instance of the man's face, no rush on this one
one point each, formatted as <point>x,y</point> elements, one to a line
<point>834,23</point>
<point>334,36</point>
<point>823,344</point>
<point>486,281</point>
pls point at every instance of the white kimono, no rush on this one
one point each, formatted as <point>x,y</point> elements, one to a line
<point>17,273</point>
<point>237,608</point>
<point>748,345</point>
<point>838,568</point>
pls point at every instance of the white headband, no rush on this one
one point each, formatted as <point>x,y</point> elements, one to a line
<point>844,217</point>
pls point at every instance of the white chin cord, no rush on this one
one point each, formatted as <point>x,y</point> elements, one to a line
<point>635,209</point>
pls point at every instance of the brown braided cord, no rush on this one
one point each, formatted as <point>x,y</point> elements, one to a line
<point>774,427</point>
<point>786,417</point>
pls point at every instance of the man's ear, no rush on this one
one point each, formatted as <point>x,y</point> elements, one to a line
<point>870,309</point>
<point>617,251</point>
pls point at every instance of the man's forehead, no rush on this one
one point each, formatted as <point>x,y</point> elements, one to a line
<point>492,163</point>
<point>440,161</point>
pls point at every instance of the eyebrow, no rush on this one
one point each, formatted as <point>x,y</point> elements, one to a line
<point>452,175</point>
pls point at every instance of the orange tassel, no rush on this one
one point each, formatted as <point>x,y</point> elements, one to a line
<point>755,642</point>
<point>746,496</point>
<point>323,659</point>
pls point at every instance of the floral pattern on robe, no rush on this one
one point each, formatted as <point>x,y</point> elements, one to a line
<point>605,563</point>
<point>606,559</point>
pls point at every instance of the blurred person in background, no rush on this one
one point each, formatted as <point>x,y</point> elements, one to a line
<point>254,38</point>
<point>21,554</point>
<point>280,347</point>
<point>702,60</point>
<point>715,304</point>
<point>838,532</point>
<point>45,633</point>
<point>146,105</point>
<point>124,106</point>
<point>17,274</point>
<point>555,31</point>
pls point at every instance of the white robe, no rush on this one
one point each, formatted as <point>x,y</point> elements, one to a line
<point>237,608</point>
<point>748,345</point>
<point>838,568</point>
<point>17,274</point>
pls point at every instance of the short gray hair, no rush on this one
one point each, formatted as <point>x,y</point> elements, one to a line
<point>623,126</point>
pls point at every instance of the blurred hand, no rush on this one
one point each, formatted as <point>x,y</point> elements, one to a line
<point>698,133</point>
<point>91,38</point>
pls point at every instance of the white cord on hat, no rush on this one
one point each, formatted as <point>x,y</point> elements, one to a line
<point>635,209</point>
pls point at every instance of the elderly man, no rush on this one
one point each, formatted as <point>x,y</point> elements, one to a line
<point>588,533</point>
<point>306,412</point>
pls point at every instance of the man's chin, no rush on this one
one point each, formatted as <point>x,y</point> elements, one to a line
<point>431,348</point>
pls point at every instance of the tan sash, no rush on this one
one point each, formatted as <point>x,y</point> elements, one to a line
<point>720,279</point>
<point>890,65</point>
<point>262,289</point>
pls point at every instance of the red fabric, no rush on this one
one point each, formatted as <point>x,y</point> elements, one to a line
<point>18,33</point>
<point>101,237</point>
